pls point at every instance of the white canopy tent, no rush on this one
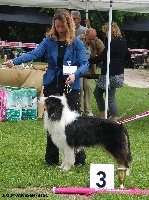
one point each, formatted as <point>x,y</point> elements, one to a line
<point>140,6</point>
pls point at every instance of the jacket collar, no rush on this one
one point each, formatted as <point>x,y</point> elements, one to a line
<point>54,51</point>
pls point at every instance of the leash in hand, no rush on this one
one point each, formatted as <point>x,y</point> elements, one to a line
<point>67,89</point>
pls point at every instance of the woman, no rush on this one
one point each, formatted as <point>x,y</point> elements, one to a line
<point>119,54</point>
<point>64,53</point>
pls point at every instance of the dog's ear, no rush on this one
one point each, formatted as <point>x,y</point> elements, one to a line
<point>54,108</point>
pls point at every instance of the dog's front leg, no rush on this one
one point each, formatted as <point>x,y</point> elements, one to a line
<point>62,165</point>
<point>68,158</point>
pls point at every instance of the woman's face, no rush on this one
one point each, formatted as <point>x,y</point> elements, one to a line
<point>60,28</point>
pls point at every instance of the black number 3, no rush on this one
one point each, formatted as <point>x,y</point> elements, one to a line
<point>102,179</point>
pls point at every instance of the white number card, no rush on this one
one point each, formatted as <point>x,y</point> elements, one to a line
<point>102,176</point>
<point>67,70</point>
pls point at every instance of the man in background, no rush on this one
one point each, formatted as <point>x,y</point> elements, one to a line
<point>77,20</point>
<point>93,46</point>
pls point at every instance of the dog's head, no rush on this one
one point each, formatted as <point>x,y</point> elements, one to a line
<point>54,107</point>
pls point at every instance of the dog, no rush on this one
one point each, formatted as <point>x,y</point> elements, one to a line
<point>69,130</point>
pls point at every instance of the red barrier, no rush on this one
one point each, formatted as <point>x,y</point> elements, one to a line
<point>146,113</point>
<point>89,191</point>
<point>17,44</point>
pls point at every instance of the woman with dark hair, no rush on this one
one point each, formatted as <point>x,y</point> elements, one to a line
<point>119,54</point>
<point>67,61</point>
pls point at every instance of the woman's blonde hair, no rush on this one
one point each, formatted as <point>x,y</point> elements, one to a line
<point>64,16</point>
<point>115,30</point>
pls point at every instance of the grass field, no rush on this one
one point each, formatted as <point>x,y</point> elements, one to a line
<point>22,166</point>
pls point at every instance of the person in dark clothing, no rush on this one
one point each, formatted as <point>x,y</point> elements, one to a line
<point>119,54</point>
<point>67,61</point>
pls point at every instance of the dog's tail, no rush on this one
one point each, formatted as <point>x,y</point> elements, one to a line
<point>116,141</point>
<point>123,155</point>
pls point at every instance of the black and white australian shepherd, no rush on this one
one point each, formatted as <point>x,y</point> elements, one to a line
<point>69,131</point>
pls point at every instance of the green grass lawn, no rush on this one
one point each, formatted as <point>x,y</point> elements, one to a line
<point>23,144</point>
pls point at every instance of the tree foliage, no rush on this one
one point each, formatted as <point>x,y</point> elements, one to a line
<point>135,39</point>
<point>35,33</point>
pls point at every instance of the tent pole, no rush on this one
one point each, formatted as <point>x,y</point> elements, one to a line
<point>86,11</point>
<point>108,59</point>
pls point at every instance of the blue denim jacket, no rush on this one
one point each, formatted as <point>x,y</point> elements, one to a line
<point>75,53</point>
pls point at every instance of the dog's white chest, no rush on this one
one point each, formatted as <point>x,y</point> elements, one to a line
<point>56,131</point>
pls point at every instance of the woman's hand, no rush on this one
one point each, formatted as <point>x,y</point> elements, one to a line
<point>9,63</point>
<point>70,79</point>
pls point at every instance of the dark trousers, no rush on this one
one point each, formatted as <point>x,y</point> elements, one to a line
<point>98,94</point>
<point>52,152</point>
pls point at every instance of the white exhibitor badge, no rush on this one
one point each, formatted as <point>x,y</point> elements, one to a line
<point>69,69</point>
<point>102,176</point>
